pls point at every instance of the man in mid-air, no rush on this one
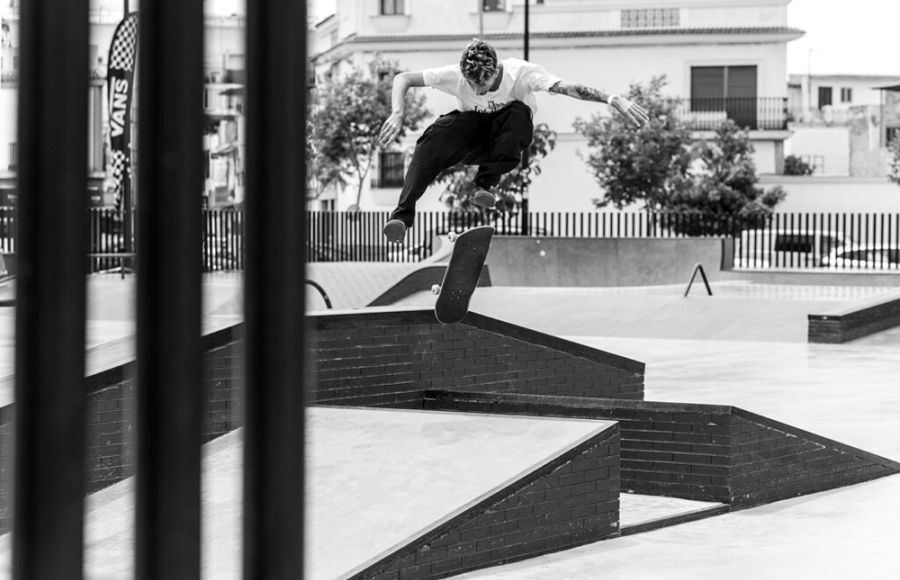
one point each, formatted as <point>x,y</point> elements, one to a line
<point>491,127</point>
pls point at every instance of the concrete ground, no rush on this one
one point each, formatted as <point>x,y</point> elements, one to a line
<point>695,352</point>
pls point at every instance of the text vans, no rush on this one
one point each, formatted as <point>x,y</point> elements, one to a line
<point>785,248</point>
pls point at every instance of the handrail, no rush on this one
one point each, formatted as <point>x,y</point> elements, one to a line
<point>698,268</point>
<point>321,291</point>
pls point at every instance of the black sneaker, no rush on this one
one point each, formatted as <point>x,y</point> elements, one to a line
<point>484,198</point>
<point>394,231</point>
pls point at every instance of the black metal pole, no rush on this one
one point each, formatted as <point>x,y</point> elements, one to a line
<point>527,31</point>
<point>127,202</point>
<point>169,414</point>
<point>274,291</point>
<point>525,154</point>
<point>50,404</point>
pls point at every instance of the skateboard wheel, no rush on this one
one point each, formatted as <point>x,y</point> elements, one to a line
<point>436,289</point>
<point>452,236</point>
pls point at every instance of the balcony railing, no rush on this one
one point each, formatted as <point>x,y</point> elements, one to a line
<point>756,114</point>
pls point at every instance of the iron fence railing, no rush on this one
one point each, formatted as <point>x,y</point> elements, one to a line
<point>754,113</point>
<point>795,240</point>
<point>108,248</point>
<point>784,240</point>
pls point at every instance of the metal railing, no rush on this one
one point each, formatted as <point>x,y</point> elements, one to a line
<point>784,240</point>
<point>797,240</point>
<point>759,113</point>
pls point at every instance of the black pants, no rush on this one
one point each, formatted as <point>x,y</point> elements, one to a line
<point>493,141</point>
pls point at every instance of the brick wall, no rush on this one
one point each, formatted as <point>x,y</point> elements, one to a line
<point>700,452</point>
<point>386,358</point>
<point>110,420</point>
<point>772,461</point>
<point>855,322</point>
<point>573,500</point>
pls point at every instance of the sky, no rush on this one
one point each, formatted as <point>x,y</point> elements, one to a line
<point>845,36</point>
<point>842,36</point>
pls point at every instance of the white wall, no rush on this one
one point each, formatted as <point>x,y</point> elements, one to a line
<point>832,143</point>
<point>8,109</point>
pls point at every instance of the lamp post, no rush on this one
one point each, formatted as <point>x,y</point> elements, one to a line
<point>525,159</point>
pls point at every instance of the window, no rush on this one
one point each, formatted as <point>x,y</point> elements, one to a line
<point>650,17</point>
<point>13,156</point>
<point>390,169</point>
<point>794,243</point>
<point>825,96</point>
<point>891,133</point>
<point>726,88</point>
<point>846,94</point>
<point>391,7</point>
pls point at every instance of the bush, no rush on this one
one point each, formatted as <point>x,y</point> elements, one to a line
<point>794,165</point>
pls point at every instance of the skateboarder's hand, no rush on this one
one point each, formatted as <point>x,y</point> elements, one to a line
<point>635,113</point>
<point>390,129</point>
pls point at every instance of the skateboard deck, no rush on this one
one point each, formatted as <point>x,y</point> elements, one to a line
<point>470,249</point>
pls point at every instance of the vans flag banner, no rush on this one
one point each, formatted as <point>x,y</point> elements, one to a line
<point>120,78</point>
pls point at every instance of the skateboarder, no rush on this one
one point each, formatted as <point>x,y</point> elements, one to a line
<point>491,127</point>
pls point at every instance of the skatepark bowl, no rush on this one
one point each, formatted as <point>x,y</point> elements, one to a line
<point>498,450</point>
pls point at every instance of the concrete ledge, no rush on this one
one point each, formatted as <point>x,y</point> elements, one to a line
<point>860,319</point>
<point>527,261</point>
<point>388,357</point>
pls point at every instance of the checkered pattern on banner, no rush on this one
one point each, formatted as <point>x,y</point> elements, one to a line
<point>118,161</point>
<point>124,49</point>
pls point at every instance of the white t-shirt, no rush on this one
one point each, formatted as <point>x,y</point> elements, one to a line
<point>521,79</point>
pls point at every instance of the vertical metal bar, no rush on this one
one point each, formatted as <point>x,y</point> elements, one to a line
<point>48,514</point>
<point>170,230</point>
<point>274,291</point>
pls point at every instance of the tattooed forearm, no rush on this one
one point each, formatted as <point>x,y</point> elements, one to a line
<point>580,92</point>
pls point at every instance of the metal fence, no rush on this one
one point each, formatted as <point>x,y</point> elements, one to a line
<point>754,113</point>
<point>790,240</point>
<point>795,240</point>
<point>109,248</point>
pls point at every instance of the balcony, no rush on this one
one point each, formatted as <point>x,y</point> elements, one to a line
<point>755,114</point>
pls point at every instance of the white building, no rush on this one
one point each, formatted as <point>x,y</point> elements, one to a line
<point>842,123</point>
<point>725,58</point>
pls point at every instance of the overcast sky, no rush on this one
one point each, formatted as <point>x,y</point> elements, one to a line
<point>842,36</point>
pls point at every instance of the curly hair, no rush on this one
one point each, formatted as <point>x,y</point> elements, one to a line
<point>478,61</point>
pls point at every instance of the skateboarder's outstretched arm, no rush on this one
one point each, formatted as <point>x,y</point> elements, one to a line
<point>632,111</point>
<point>402,83</point>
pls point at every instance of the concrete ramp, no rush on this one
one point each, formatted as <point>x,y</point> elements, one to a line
<point>430,493</point>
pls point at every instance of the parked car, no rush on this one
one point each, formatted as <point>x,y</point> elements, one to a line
<point>786,248</point>
<point>867,256</point>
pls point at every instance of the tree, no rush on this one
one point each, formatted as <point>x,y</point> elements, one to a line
<point>894,170</point>
<point>347,119</point>
<point>660,166</point>
<point>460,179</point>
<point>638,164</point>
<point>722,179</point>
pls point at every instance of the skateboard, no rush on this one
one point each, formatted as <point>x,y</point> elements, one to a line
<point>470,249</point>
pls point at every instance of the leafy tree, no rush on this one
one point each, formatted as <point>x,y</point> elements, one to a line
<point>722,181</point>
<point>347,118</point>
<point>460,179</point>
<point>660,166</point>
<point>638,164</point>
<point>894,170</point>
